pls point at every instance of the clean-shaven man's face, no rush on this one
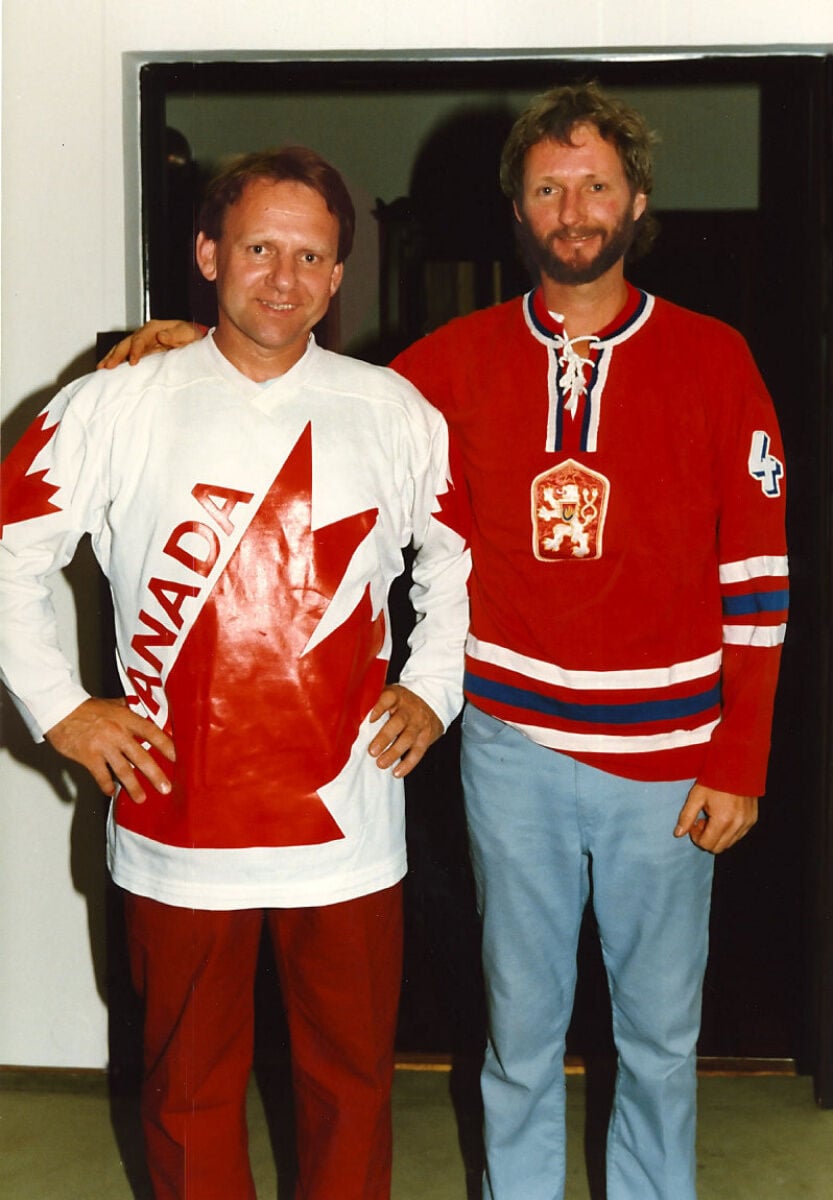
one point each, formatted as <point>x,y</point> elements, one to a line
<point>275,269</point>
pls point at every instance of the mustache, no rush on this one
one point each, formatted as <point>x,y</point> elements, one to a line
<point>575,235</point>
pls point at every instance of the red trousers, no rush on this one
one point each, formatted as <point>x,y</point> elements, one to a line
<point>340,970</point>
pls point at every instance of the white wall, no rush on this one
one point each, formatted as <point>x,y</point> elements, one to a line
<point>69,254</point>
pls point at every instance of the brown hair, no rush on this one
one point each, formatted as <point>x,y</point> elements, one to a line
<point>296,164</point>
<point>555,113</point>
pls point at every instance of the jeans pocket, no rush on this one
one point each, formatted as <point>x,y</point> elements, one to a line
<point>478,726</point>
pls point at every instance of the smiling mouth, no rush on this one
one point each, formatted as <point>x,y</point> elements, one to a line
<point>278,307</point>
<point>586,235</point>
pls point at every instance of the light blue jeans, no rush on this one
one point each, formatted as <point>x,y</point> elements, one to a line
<point>539,824</point>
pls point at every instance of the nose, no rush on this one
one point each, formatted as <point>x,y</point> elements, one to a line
<point>282,272</point>
<point>571,210</point>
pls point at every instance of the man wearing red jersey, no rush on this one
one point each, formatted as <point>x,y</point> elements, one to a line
<point>628,605</point>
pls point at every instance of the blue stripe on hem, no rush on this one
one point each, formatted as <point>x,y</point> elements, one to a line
<point>636,713</point>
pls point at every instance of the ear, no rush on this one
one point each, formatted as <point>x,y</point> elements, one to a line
<point>516,210</point>
<point>206,255</point>
<point>336,278</point>
<point>640,203</point>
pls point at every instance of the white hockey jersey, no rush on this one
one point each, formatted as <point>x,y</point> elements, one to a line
<point>250,534</point>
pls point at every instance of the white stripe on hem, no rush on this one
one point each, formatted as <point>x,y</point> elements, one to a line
<point>558,739</point>
<point>232,879</point>
<point>645,677</point>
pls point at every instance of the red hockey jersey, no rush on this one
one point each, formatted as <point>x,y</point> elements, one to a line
<point>629,570</point>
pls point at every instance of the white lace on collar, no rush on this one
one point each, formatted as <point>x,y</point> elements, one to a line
<point>572,364</point>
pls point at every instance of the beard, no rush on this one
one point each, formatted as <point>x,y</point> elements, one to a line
<point>541,259</point>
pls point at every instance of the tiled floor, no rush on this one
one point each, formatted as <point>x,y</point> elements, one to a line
<point>760,1138</point>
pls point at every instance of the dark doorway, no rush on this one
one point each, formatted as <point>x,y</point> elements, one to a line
<point>765,268</point>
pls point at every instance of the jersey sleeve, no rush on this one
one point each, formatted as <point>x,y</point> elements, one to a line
<point>753,577</point>
<point>439,594</point>
<point>49,500</point>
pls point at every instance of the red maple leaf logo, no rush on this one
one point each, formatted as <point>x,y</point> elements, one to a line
<point>259,722</point>
<point>24,495</point>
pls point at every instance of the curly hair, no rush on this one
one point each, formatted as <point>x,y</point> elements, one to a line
<point>296,164</point>
<point>554,115</point>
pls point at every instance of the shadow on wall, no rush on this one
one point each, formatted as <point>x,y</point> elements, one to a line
<point>455,185</point>
<point>448,246</point>
<point>71,783</point>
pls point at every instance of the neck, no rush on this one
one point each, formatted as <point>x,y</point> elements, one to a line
<point>259,362</point>
<point>587,307</point>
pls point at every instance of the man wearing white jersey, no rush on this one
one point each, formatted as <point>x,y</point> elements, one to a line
<point>249,498</point>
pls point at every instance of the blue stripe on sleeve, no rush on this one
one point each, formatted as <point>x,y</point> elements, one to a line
<point>735,606</point>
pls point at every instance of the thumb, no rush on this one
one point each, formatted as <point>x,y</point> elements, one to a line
<point>385,703</point>
<point>688,814</point>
